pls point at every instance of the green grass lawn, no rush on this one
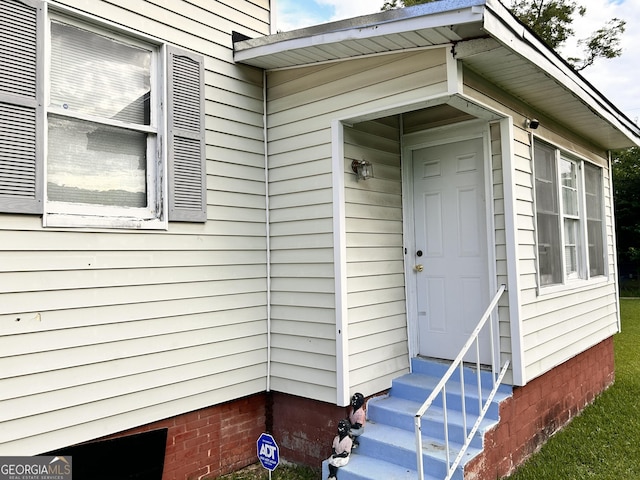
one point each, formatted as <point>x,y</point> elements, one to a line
<point>604,441</point>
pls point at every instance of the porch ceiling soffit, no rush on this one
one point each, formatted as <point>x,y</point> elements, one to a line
<point>487,39</point>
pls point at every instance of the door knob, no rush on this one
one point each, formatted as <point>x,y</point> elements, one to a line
<point>419,268</point>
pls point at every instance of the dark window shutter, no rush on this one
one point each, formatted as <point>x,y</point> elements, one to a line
<point>186,162</point>
<point>21,106</point>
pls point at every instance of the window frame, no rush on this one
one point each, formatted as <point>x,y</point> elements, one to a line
<point>69,214</point>
<point>582,276</point>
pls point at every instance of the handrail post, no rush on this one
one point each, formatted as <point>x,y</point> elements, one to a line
<point>419,462</point>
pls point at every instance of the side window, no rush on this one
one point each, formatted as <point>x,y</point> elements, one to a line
<point>101,130</point>
<point>569,217</point>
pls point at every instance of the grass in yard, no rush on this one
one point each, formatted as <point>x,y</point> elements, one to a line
<point>282,472</point>
<point>603,442</point>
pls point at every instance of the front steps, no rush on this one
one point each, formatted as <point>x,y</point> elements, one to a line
<point>387,446</point>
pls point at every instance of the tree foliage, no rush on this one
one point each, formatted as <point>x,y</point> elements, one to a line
<point>626,195</point>
<point>552,21</point>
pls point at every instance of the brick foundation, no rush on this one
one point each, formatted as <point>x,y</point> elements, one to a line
<point>303,428</point>
<point>212,441</point>
<point>540,408</point>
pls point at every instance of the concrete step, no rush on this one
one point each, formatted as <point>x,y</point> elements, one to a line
<point>437,369</point>
<point>399,412</point>
<point>387,446</point>
<point>418,386</point>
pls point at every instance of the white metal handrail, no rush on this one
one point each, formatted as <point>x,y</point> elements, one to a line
<point>441,387</point>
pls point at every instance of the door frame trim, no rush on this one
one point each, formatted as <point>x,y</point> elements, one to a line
<point>429,138</point>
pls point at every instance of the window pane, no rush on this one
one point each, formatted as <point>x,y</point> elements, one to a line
<point>96,164</point>
<point>549,253</point>
<point>595,224</point>
<point>571,246</point>
<point>96,75</point>
<point>569,174</point>
<point>547,216</point>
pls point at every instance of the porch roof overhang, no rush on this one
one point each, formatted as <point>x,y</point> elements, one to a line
<point>484,36</point>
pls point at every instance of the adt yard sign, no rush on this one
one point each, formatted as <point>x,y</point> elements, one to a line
<point>268,452</point>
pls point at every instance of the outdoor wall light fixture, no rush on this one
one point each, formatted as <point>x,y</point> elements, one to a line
<point>362,169</point>
<point>532,123</point>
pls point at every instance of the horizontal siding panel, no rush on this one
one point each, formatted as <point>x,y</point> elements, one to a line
<point>63,379</point>
<point>44,280</point>
<point>547,357</point>
<point>108,407</point>
<point>359,299</point>
<point>97,260</point>
<point>302,313</point>
<point>300,170</point>
<point>161,330</point>
<point>362,225</point>
<point>303,329</point>
<point>392,366</point>
<point>63,299</point>
<point>322,393</point>
<point>374,254</point>
<point>300,185</point>
<point>315,270</point>
<point>301,285</point>
<point>381,339</point>
<point>302,227</point>
<point>307,212</point>
<point>356,76</point>
<point>304,359</point>
<point>128,241</point>
<point>321,240</point>
<point>373,326</point>
<point>78,396</point>
<point>377,282</point>
<point>310,300</point>
<point>363,269</point>
<point>601,316</point>
<point>393,351</point>
<point>302,256</point>
<point>368,312</point>
<point>303,344</point>
<point>310,197</point>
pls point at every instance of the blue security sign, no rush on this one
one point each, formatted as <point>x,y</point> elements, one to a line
<point>268,452</point>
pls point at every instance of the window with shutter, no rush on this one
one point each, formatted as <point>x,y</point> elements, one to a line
<point>105,123</point>
<point>20,107</point>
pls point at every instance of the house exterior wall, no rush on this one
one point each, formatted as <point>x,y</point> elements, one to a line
<point>103,330</point>
<point>555,326</point>
<point>301,104</point>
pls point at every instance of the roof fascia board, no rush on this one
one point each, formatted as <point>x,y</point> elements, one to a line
<point>247,50</point>
<point>501,25</point>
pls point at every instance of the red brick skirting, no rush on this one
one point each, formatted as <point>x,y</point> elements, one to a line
<point>541,408</point>
<point>212,441</point>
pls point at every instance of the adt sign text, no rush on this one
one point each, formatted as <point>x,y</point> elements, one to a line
<point>268,452</point>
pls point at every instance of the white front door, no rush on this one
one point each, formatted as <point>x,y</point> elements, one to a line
<point>449,209</point>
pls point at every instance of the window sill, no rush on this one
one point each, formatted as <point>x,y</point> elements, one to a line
<point>90,221</point>
<point>573,286</point>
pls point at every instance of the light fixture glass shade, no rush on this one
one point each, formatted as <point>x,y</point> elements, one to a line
<point>363,169</point>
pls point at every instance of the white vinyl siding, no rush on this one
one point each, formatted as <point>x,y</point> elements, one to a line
<point>106,330</point>
<point>378,343</point>
<point>560,325</point>
<point>302,103</point>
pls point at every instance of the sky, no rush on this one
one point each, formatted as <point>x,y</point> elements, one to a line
<point>617,79</point>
